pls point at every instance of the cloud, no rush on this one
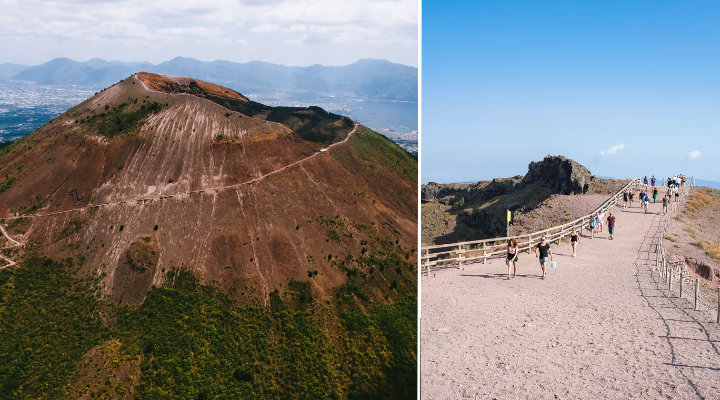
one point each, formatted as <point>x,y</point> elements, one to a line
<point>291,32</point>
<point>694,154</point>
<point>612,150</point>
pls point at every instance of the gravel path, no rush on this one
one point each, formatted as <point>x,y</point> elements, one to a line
<point>601,325</point>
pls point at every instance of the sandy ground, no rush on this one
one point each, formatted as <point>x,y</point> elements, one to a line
<point>601,325</point>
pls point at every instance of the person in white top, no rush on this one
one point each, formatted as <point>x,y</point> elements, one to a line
<point>600,218</point>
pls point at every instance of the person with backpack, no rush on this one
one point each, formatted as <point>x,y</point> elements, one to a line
<point>544,249</point>
<point>512,256</point>
<point>591,223</point>
<point>646,202</point>
<point>611,225</point>
<point>631,197</point>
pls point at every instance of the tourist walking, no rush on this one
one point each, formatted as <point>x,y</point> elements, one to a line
<point>611,225</point>
<point>600,220</point>
<point>544,249</point>
<point>625,199</point>
<point>631,196</point>
<point>652,181</point>
<point>646,202</point>
<point>654,195</point>
<point>574,240</point>
<point>677,192</point>
<point>591,223</point>
<point>512,256</point>
<point>641,198</point>
<point>645,181</point>
<point>665,204</point>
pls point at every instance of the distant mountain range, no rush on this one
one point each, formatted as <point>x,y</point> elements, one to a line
<point>379,94</point>
<point>366,78</point>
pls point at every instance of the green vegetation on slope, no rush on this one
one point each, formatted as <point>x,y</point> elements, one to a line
<point>7,183</point>
<point>376,149</point>
<point>194,342</point>
<point>120,119</point>
<point>48,320</point>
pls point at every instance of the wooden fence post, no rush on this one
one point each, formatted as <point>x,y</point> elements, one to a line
<point>697,288</point>
<point>483,249</point>
<point>461,255</point>
<point>670,270</point>
<point>529,242</point>
<point>681,283</point>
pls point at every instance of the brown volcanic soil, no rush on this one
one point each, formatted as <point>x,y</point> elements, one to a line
<point>202,201</point>
<point>559,209</point>
<point>440,220</point>
<point>694,236</point>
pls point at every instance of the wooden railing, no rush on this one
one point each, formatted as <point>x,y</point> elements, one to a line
<point>454,254</point>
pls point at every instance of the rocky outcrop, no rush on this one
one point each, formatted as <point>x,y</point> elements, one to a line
<point>561,175</point>
<point>471,192</point>
<point>480,208</point>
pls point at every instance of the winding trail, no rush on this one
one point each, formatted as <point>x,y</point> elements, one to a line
<point>602,325</point>
<point>186,194</point>
<point>13,243</point>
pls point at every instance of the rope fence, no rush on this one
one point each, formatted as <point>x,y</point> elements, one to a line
<point>675,274</point>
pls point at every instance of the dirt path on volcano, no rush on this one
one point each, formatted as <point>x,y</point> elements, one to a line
<point>185,194</point>
<point>602,325</point>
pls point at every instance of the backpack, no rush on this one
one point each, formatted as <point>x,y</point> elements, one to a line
<point>592,222</point>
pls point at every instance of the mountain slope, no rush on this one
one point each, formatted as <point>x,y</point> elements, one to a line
<point>249,197</point>
<point>199,251</point>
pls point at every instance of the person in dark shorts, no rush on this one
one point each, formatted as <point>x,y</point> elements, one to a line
<point>574,240</point>
<point>544,252</point>
<point>512,256</point>
<point>631,197</point>
<point>611,225</point>
<point>645,181</point>
<point>625,199</point>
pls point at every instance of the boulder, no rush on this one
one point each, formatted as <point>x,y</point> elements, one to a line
<point>561,175</point>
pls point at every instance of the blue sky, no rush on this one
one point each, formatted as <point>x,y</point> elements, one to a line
<point>626,88</point>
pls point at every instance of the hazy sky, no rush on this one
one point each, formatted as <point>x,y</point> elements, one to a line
<point>625,88</point>
<point>291,32</point>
